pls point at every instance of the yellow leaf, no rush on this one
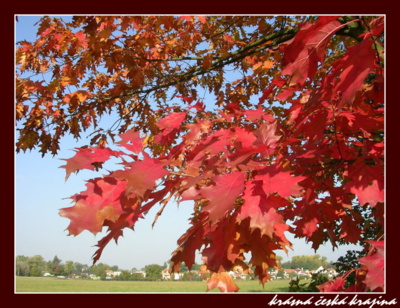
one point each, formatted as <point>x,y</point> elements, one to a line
<point>81,95</point>
<point>65,81</point>
<point>146,140</point>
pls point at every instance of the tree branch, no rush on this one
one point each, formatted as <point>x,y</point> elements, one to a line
<point>248,50</point>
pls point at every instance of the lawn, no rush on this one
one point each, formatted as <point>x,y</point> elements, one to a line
<point>54,285</point>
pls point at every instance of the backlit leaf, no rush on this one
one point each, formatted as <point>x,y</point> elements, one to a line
<point>221,196</point>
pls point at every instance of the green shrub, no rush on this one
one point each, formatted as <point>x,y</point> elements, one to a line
<point>316,280</point>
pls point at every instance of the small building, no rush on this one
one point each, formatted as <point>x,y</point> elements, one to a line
<point>166,275</point>
<point>178,276</point>
<point>140,272</point>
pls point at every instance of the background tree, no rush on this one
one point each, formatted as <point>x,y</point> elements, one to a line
<point>22,266</point>
<point>100,270</point>
<point>281,274</point>
<point>68,267</point>
<point>137,276</point>
<point>56,267</point>
<point>195,267</point>
<point>312,262</point>
<point>184,268</point>
<point>78,267</point>
<point>125,275</point>
<point>36,265</point>
<point>267,124</point>
<point>153,271</point>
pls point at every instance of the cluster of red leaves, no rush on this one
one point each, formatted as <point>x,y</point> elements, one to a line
<point>254,174</point>
<point>369,277</point>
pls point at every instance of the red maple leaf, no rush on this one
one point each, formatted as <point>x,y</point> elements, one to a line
<point>172,121</point>
<point>258,115</point>
<point>100,202</point>
<point>241,138</point>
<point>280,182</point>
<point>132,141</point>
<point>126,220</point>
<point>141,175</point>
<point>187,99</point>
<point>375,263</point>
<point>307,49</point>
<point>377,26</point>
<point>335,285</point>
<point>307,217</point>
<point>266,94</point>
<point>312,126</point>
<point>349,230</point>
<point>262,255</point>
<point>199,106</point>
<point>266,136</point>
<point>354,68</point>
<point>261,209</point>
<point>222,252</point>
<point>169,126</point>
<point>223,194</point>
<point>366,182</point>
<point>81,39</point>
<point>85,159</point>
<point>280,238</point>
<point>196,130</point>
<point>189,242</point>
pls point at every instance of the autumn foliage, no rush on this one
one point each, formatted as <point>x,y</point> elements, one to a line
<point>295,144</point>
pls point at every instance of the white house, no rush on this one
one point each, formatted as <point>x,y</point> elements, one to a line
<point>140,272</point>
<point>178,276</point>
<point>166,274</point>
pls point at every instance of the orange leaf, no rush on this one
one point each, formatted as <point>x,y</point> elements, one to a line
<point>223,282</point>
<point>207,61</point>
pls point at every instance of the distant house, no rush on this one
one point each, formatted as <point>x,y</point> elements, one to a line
<point>332,272</point>
<point>178,276</point>
<point>166,274</point>
<point>140,272</point>
<point>319,269</point>
<point>111,274</point>
<point>329,271</point>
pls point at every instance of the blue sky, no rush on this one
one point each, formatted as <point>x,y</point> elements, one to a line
<point>41,190</point>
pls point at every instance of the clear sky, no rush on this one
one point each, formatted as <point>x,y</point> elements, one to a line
<point>41,190</point>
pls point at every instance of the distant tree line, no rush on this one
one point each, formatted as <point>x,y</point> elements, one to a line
<point>36,266</point>
<point>312,262</point>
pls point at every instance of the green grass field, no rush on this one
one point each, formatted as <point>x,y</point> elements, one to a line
<point>54,285</point>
